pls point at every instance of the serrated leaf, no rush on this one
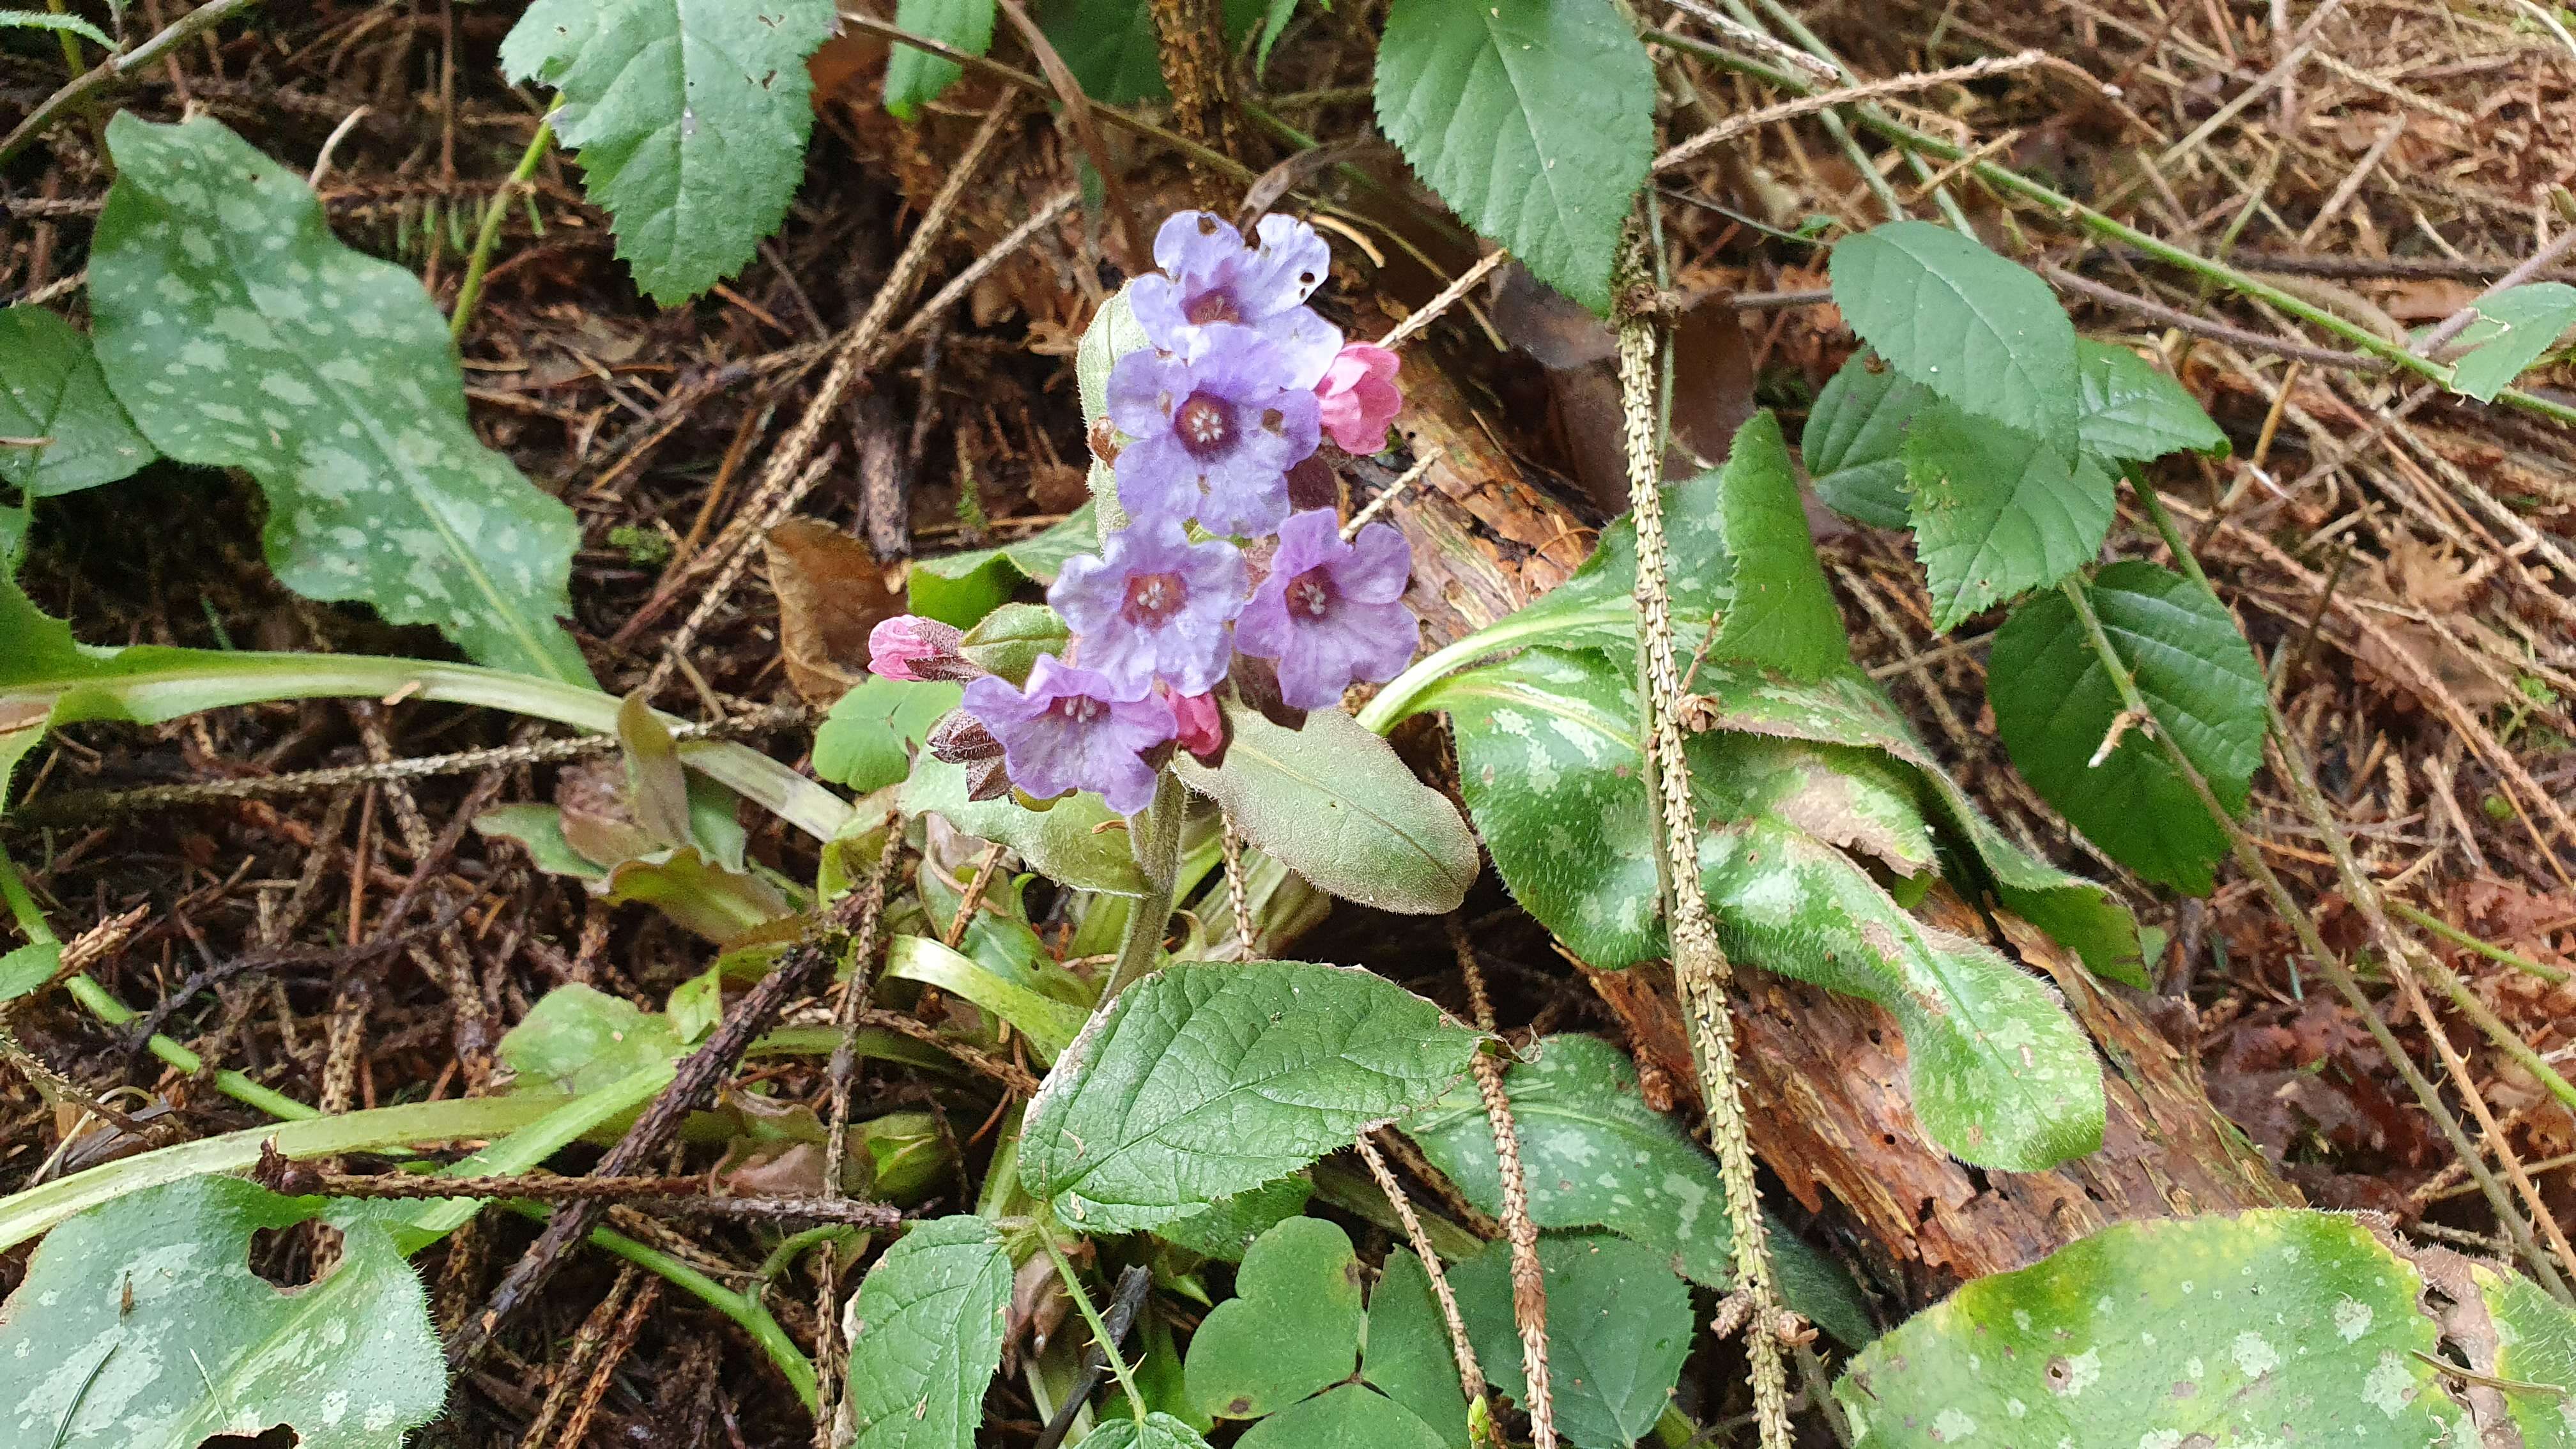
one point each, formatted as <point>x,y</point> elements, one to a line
<point>1619,1325</point>
<point>2130,410</point>
<point>1110,47</point>
<point>1854,446</point>
<point>1206,1079</point>
<point>1595,1155</point>
<point>2217,1330</point>
<point>866,742</point>
<point>140,1325</point>
<point>1049,1024</point>
<point>1274,23</point>
<point>915,77</point>
<point>2514,327</point>
<point>1408,1355</point>
<point>1077,841</point>
<point>690,117</point>
<point>1533,119</point>
<point>1227,1229</point>
<point>2055,705</point>
<point>1997,512</point>
<point>1158,1431</point>
<point>1985,334</point>
<point>1333,803</point>
<point>1291,1329</point>
<point>1350,1417</point>
<point>925,1335</point>
<point>1782,615</point>
<point>51,387</point>
<point>329,377</point>
<point>961,588</point>
<point>45,20</point>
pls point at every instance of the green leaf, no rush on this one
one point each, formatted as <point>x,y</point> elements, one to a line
<point>538,829</point>
<point>915,77</point>
<point>1226,1230</point>
<point>866,742</point>
<point>329,377</point>
<point>1987,335</point>
<point>1110,47</point>
<point>2514,327</point>
<point>690,116</point>
<point>1533,119</point>
<point>28,967</point>
<point>1595,1155</point>
<point>2536,1345</point>
<point>1854,445</point>
<point>43,20</point>
<point>1291,1329</point>
<point>2130,410</point>
<point>1158,1431</point>
<point>2055,705</point>
<point>1009,640</point>
<point>1408,1355</point>
<point>1049,1024</point>
<point>925,1335</point>
<point>961,588</point>
<point>1207,1079</point>
<point>578,1038</point>
<point>1597,606</point>
<point>140,1325</point>
<point>1783,614</point>
<point>1333,803</point>
<point>698,894</point>
<point>51,387</point>
<point>2223,1331</point>
<point>1997,512</point>
<point>1077,841</point>
<point>1274,23</point>
<point>1618,1327</point>
<point>1350,1417</point>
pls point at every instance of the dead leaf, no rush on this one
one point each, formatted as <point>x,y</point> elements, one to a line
<point>830,594</point>
<point>2425,299</point>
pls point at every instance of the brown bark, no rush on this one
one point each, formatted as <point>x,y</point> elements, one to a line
<point>1201,77</point>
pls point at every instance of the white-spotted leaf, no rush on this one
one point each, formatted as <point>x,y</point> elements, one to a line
<point>925,1335</point>
<point>50,387</point>
<point>239,332</point>
<point>1986,335</point>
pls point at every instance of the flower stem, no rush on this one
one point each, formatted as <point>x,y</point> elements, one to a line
<point>470,290</point>
<point>1099,1331</point>
<point>1154,833</point>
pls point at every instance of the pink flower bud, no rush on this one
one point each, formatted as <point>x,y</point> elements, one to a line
<point>1358,397</point>
<point>1197,725</point>
<point>897,645</point>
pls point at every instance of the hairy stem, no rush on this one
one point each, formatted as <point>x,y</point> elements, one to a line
<point>1154,834</point>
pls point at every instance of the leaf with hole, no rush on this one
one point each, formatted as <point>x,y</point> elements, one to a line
<point>328,376</point>
<point>1533,119</point>
<point>866,742</point>
<point>2129,410</point>
<point>915,77</point>
<point>1291,1329</point>
<point>1595,1155</point>
<point>1854,446</point>
<point>1997,512</point>
<point>1333,803</point>
<point>2513,328</point>
<point>1206,1079</point>
<point>690,117</point>
<point>2056,708</point>
<point>51,387</point>
<point>925,1336</point>
<point>2223,1331</point>
<point>1619,1325</point>
<point>140,1325</point>
<point>1985,334</point>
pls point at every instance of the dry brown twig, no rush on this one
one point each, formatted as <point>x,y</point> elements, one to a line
<point>1529,1284</point>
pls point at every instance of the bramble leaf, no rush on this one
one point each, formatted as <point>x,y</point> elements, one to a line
<point>1206,1079</point>
<point>1291,1329</point>
<point>51,387</point>
<point>1782,614</point>
<point>690,117</point>
<point>329,377</point>
<point>2055,707</point>
<point>915,77</point>
<point>2514,327</point>
<point>1158,1431</point>
<point>140,1325</point>
<point>2130,410</point>
<point>1619,1325</point>
<point>46,20</point>
<point>1110,47</point>
<point>1854,446</point>
<point>925,1335</point>
<point>1533,119</point>
<point>1227,1230</point>
<point>1985,334</point>
<point>1997,512</point>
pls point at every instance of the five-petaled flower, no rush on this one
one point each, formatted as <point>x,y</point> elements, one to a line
<point>1331,612</point>
<point>1210,439</point>
<point>1212,287</point>
<point>1075,729</point>
<point>1156,606</point>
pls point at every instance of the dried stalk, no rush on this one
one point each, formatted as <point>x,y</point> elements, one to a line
<point>1529,1283</point>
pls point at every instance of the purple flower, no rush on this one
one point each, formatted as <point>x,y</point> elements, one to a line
<point>1215,285</point>
<point>1157,605</point>
<point>1073,729</point>
<point>1330,613</point>
<point>1211,439</point>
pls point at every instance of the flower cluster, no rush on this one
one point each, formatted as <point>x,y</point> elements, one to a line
<point>1240,384</point>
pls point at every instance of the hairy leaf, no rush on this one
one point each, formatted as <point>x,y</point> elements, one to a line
<point>1333,803</point>
<point>2055,707</point>
<point>2220,1330</point>
<point>1533,119</point>
<point>1854,445</point>
<point>1997,512</point>
<point>1782,615</point>
<point>690,116</point>
<point>1619,1325</point>
<point>51,387</point>
<point>2514,327</point>
<point>1208,1079</point>
<point>867,741</point>
<point>961,588</point>
<point>2130,410</point>
<point>915,77</point>
<point>2536,1344</point>
<point>1291,1329</point>
<point>925,1335</point>
<point>1985,334</point>
<point>1350,1417</point>
<point>239,332</point>
<point>1073,841</point>
<point>140,1325</point>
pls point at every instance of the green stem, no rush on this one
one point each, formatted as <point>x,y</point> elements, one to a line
<point>116,67</point>
<point>2507,1040</point>
<point>1099,1330</point>
<point>2463,939</point>
<point>1154,834</point>
<point>470,290</point>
